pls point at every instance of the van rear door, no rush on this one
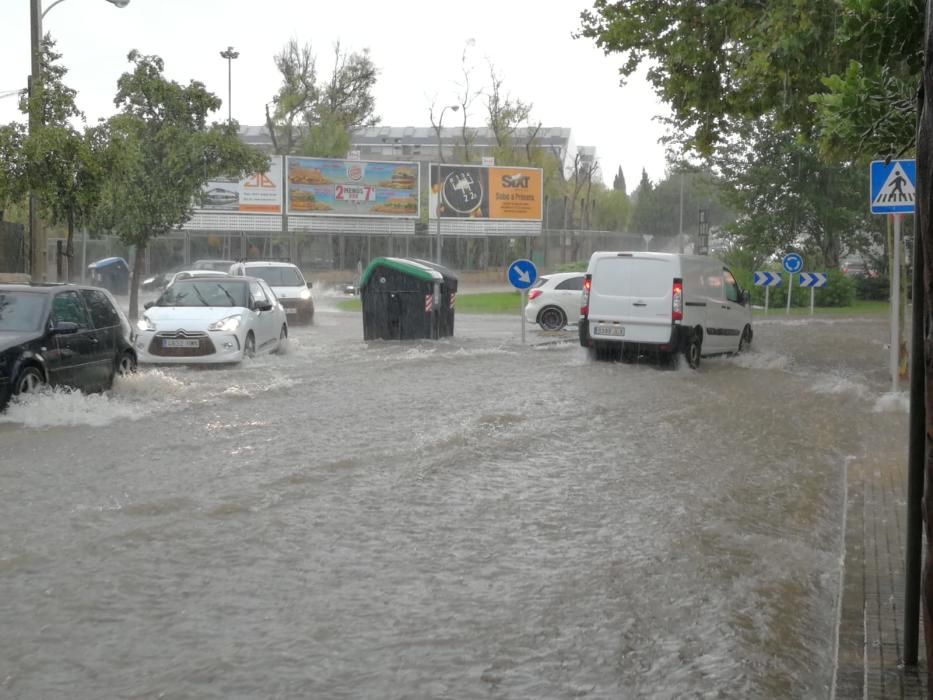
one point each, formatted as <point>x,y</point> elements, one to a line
<point>630,298</point>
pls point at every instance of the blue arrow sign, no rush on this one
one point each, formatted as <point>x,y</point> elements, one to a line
<point>522,273</point>
<point>812,279</point>
<point>893,186</point>
<point>767,279</point>
<point>792,263</point>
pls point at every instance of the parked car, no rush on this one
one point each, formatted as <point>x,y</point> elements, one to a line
<point>554,300</point>
<point>61,335</point>
<point>664,303</point>
<point>211,319</point>
<point>289,285</point>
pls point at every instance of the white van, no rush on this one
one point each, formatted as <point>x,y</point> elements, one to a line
<point>289,285</point>
<point>662,302</point>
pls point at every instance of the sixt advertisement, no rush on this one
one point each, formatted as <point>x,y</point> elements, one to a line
<point>481,192</point>
<point>333,187</point>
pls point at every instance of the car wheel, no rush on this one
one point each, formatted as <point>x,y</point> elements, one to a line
<point>126,364</point>
<point>746,340</point>
<point>283,338</point>
<point>249,347</point>
<point>29,381</point>
<point>693,351</point>
<point>552,319</point>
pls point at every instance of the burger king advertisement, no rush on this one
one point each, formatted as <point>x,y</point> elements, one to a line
<point>486,192</point>
<point>332,187</point>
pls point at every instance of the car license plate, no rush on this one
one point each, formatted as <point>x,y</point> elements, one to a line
<point>609,330</point>
<point>180,343</point>
<point>291,311</point>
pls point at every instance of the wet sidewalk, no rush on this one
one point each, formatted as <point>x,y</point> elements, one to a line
<point>871,626</point>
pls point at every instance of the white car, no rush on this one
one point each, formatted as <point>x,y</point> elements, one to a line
<point>289,285</point>
<point>211,320</point>
<point>554,300</point>
<point>185,274</point>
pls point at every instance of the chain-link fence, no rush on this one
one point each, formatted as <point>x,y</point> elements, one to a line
<point>312,252</point>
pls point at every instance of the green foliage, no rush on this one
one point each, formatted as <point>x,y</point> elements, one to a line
<point>160,151</point>
<point>315,117</point>
<point>618,182</point>
<point>717,62</point>
<point>872,288</point>
<point>613,209</point>
<point>867,106</point>
<point>791,199</point>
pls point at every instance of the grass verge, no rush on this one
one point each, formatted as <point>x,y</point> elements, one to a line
<point>509,303</point>
<point>485,303</point>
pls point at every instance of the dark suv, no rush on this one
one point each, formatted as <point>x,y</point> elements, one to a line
<point>63,335</point>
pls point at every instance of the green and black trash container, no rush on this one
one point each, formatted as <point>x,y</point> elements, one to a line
<point>405,299</point>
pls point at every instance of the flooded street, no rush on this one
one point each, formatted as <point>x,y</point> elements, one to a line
<point>468,518</point>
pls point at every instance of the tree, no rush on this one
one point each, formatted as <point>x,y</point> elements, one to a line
<point>789,198</point>
<point>719,63</point>
<point>317,118</point>
<point>618,182</point>
<point>55,161</point>
<point>160,151</point>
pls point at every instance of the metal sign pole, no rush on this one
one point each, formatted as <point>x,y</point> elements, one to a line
<point>812,295</point>
<point>767,289</point>
<point>522,316</point>
<point>895,300</point>
<point>790,289</point>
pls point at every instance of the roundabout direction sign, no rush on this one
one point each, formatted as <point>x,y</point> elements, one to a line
<point>792,263</point>
<point>522,274</point>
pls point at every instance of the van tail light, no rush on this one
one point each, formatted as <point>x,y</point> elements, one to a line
<point>585,303</point>
<point>534,294</point>
<point>677,301</point>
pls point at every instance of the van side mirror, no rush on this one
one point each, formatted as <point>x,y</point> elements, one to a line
<point>309,285</point>
<point>745,297</point>
<point>148,304</point>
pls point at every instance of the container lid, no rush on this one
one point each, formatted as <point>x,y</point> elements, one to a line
<point>415,268</point>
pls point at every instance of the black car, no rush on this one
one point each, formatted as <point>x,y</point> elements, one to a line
<point>62,335</point>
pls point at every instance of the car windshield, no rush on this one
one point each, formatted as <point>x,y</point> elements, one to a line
<point>204,293</point>
<point>21,311</point>
<point>277,276</point>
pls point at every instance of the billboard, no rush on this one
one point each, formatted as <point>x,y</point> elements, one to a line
<point>260,193</point>
<point>481,192</point>
<point>335,187</point>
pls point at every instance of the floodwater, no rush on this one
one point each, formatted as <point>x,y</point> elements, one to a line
<point>469,518</point>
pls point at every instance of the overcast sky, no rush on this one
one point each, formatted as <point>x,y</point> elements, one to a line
<point>416,46</point>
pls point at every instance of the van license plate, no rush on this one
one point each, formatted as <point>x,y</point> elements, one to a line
<point>291,311</point>
<point>609,330</point>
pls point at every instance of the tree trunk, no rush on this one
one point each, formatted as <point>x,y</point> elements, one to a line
<point>69,246</point>
<point>134,281</point>
<point>924,199</point>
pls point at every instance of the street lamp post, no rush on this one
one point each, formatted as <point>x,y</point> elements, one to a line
<point>229,54</point>
<point>38,253</point>
<point>440,158</point>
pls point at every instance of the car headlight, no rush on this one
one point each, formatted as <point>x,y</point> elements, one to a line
<point>304,294</point>
<point>145,324</point>
<point>228,324</point>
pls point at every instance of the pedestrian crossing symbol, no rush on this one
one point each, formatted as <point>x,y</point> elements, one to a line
<point>892,186</point>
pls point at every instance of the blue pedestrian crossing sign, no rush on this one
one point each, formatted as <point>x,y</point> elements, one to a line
<point>522,273</point>
<point>767,279</point>
<point>812,279</point>
<point>792,263</point>
<point>893,186</point>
